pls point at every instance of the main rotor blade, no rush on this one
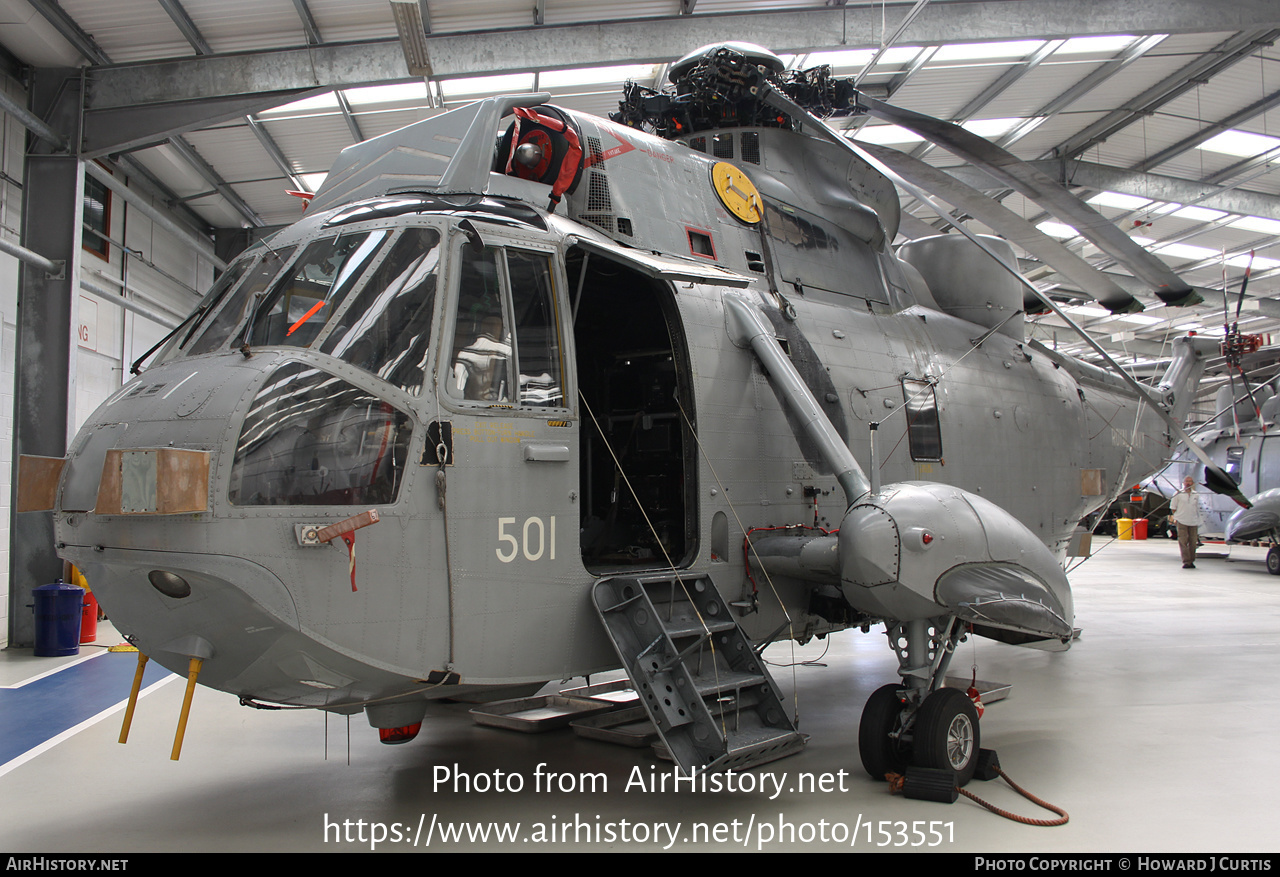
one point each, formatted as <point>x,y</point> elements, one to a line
<point>1011,226</point>
<point>1215,479</point>
<point>1045,191</point>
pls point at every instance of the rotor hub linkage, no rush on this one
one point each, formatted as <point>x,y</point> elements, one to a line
<point>722,90</point>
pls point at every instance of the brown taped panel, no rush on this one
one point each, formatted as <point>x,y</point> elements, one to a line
<point>38,482</point>
<point>109,486</point>
<point>1091,482</point>
<point>182,482</point>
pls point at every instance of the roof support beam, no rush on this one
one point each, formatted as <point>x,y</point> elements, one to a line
<point>187,26</point>
<point>1144,185</point>
<point>308,22</point>
<point>652,40</point>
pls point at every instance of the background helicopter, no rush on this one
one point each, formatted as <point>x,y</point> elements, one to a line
<point>492,375</point>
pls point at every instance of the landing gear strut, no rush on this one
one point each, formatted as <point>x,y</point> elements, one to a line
<point>918,722</point>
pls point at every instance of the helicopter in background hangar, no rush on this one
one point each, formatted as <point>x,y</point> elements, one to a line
<point>645,408</point>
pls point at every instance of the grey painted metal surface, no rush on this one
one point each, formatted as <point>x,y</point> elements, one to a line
<point>534,395</point>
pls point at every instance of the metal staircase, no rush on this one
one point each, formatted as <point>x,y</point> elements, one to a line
<point>706,690</point>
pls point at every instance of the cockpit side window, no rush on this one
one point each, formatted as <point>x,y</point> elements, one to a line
<point>481,343</point>
<point>541,374</point>
<point>387,327</point>
<point>241,301</point>
<point>506,347</point>
<point>224,284</point>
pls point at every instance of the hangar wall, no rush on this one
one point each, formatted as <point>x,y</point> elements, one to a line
<point>110,337</point>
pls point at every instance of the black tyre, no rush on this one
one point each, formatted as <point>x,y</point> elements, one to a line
<point>946,734</point>
<point>1273,560</point>
<point>882,754</point>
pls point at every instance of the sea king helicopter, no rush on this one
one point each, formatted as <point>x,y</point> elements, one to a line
<point>529,394</point>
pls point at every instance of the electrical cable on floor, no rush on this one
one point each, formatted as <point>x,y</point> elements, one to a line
<point>1025,820</point>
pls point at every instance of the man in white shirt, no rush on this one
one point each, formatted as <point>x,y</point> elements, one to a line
<point>1184,511</point>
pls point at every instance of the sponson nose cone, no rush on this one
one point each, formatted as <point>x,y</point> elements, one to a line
<point>921,548</point>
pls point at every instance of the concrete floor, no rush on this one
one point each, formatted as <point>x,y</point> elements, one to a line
<point>1157,732</point>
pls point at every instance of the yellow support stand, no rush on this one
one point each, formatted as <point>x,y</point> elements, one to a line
<point>193,670</point>
<point>133,698</point>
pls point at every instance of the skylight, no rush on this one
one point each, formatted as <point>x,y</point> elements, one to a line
<point>1200,214</point>
<point>1082,45</point>
<point>306,106</point>
<point>386,94</point>
<point>1258,224</point>
<point>987,51</point>
<point>1187,251</point>
<point>887,134</point>
<point>1057,230</point>
<point>992,128</point>
<point>474,85</point>
<point>596,75</point>
<point>1242,143</point>
<point>850,58</point>
<point>1117,199</point>
<point>313,181</point>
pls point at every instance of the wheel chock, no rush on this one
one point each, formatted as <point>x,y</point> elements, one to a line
<point>931,784</point>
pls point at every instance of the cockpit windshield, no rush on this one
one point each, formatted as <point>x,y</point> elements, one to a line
<point>365,296</point>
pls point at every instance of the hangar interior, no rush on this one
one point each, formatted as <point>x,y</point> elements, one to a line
<point>144,143</point>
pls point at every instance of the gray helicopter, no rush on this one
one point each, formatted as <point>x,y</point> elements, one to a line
<point>529,394</point>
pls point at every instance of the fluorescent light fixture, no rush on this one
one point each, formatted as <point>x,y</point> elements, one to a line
<point>1140,319</point>
<point>413,36</point>
<point>595,75</point>
<point>1057,230</point>
<point>1122,201</point>
<point>1258,224</point>
<point>313,181</point>
<point>307,106</point>
<point>1083,45</point>
<point>887,134</point>
<point>1242,143</point>
<point>387,94</point>
<point>476,85</point>
<point>987,51</point>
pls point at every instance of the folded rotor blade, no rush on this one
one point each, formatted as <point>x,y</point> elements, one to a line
<point>1012,227</point>
<point>1045,191</point>
<point>1215,479</point>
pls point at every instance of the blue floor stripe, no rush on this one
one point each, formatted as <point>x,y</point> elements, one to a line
<point>43,709</point>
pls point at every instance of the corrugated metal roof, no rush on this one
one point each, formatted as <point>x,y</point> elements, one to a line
<point>310,137</point>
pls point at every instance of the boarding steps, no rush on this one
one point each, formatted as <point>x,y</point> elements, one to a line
<point>706,690</point>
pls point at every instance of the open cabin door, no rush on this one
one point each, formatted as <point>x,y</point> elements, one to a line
<point>638,463</point>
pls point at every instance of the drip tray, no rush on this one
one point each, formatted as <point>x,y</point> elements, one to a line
<point>628,727</point>
<point>533,715</point>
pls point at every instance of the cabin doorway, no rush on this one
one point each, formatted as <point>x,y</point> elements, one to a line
<point>638,458</point>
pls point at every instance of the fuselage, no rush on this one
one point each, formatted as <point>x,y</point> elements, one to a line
<point>530,405</point>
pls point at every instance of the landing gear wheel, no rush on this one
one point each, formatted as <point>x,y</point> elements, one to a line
<point>882,754</point>
<point>946,733</point>
<point>1273,560</point>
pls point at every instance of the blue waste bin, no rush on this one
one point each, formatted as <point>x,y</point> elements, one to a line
<point>58,608</point>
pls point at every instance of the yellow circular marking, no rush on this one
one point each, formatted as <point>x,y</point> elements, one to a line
<point>736,192</point>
